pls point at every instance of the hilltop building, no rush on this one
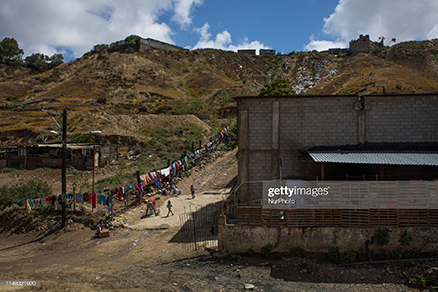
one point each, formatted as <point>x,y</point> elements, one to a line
<point>143,45</point>
<point>361,45</point>
<point>151,44</point>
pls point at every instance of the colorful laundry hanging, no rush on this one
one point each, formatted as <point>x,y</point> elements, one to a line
<point>79,198</point>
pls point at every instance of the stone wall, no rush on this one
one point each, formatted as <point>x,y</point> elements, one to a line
<point>286,127</point>
<point>241,238</point>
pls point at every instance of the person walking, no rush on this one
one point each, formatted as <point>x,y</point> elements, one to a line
<point>192,189</point>
<point>169,207</point>
<point>150,207</point>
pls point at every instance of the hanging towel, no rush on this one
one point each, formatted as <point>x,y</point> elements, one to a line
<point>79,198</point>
<point>165,171</point>
<point>94,200</point>
<point>120,193</point>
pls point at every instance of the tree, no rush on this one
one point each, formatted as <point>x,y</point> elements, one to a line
<point>9,50</point>
<point>280,87</point>
<point>132,41</point>
<point>42,63</point>
<point>56,60</point>
<point>37,62</point>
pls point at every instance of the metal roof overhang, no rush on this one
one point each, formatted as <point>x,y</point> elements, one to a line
<point>421,158</point>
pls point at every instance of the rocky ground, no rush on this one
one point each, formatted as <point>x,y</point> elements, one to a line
<point>142,255</point>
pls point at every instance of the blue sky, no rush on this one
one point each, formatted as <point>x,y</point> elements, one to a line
<point>73,27</point>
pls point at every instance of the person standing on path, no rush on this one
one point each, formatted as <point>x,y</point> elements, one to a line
<point>192,189</point>
<point>169,207</point>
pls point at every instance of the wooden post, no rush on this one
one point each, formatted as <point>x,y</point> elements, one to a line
<point>64,169</point>
<point>322,171</point>
<point>74,199</point>
<point>127,199</point>
<point>140,196</point>
<point>382,172</point>
<point>25,157</point>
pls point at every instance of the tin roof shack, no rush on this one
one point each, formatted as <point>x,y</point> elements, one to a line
<point>79,156</point>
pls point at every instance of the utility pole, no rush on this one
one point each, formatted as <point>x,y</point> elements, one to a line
<point>64,168</point>
<point>64,160</point>
<point>94,154</point>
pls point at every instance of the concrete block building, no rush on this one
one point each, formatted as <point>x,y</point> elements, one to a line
<point>386,137</point>
<point>369,144</point>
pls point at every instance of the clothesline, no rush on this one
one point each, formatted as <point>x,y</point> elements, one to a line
<point>153,178</point>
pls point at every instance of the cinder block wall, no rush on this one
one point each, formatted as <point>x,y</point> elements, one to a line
<point>286,127</point>
<point>241,238</point>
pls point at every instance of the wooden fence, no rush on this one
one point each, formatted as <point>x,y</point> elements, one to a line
<point>257,215</point>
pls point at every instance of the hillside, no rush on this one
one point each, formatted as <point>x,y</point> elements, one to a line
<point>126,94</point>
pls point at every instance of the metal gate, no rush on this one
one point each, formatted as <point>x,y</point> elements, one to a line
<point>199,228</point>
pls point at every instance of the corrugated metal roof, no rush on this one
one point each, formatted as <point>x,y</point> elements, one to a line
<point>377,157</point>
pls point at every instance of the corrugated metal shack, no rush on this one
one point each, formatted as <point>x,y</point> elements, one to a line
<point>80,156</point>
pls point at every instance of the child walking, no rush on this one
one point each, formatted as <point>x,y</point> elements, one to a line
<point>169,207</point>
<point>192,189</point>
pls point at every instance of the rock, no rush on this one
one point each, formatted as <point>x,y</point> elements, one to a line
<point>249,287</point>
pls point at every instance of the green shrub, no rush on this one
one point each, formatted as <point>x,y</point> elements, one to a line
<point>405,238</point>
<point>31,189</point>
<point>46,210</point>
<point>382,236</point>
<point>267,249</point>
<point>232,257</point>
<point>336,257</point>
<point>298,252</point>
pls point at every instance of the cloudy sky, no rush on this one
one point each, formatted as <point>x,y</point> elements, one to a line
<point>73,27</point>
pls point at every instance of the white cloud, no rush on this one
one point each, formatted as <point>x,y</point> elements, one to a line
<point>223,41</point>
<point>49,26</point>
<point>401,19</point>
<point>323,45</point>
<point>183,9</point>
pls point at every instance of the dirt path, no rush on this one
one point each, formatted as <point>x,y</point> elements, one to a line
<point>181,204</point>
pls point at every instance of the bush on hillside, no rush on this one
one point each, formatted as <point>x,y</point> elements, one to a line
<point>31,189</point>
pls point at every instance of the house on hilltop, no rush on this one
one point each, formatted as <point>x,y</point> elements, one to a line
<point>151,44</point>
<point>143,45</point>
<point>361,45</point>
